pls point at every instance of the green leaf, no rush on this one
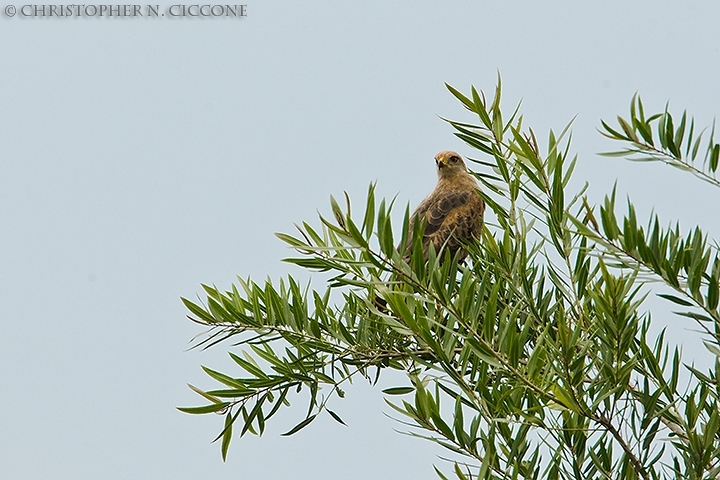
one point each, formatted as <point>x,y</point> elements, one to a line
<point>369,219</point>
<point>398,390</point>
<point>215,407</point>
<point>465,101</point>
<point>713,294</point>
<point>336,417</point>
<point>290,240</point>
<point>440,474</point>
<point>483,352</point>
<point>713,348</point>
<point>714,156</point>
<point>227,436</point>
<point>206,395</point>
<point>300,426</point>
<point>565,398</point>
<point>442,426</point>
<point>675,299</point>
<point>198,311</point>
<point>611,132</point>
<point>460,473</point>
<point>229,381</point>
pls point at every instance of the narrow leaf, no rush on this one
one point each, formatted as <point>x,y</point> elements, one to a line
<point>300,426</point>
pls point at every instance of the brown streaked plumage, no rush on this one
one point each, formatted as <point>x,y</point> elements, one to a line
<point>453,212</point>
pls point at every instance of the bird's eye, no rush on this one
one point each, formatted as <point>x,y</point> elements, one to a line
<point>454,159</point>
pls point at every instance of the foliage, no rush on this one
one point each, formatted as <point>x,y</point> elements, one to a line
<point>667,146</point>
<point>531,359</point>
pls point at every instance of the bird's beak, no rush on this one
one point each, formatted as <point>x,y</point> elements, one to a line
<point>440,163</point>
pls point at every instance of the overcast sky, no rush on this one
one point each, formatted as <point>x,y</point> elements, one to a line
<point>142,157</point>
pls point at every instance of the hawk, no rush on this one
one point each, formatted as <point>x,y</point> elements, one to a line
<point>453,212</point>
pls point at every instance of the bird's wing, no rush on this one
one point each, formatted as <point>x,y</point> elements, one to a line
<point>454,216</point>
<point>439,211</point>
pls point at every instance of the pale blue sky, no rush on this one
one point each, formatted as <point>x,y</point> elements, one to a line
<point>141,157</point>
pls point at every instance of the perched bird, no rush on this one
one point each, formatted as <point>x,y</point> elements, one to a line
<point>453,212</point>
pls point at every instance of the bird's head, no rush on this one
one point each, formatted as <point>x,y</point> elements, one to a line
<point>449,163</point>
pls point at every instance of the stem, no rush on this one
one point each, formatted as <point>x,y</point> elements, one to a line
<point>607,424</point>
<point>669,159</point>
